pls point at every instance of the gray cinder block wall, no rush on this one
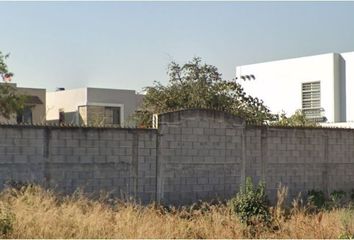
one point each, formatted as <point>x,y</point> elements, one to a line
<point>119,161</point>
<point>305,159</point>
<point>194,155</point>
<point>200,156</point>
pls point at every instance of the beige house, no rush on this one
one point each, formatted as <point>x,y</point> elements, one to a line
<point>35,107</point>
<point>92,106</point>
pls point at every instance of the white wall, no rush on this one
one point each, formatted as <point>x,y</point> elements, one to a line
<point>278,83</point>
<point>339,88</point>
<point>349,68</point>
<point>69,100</point>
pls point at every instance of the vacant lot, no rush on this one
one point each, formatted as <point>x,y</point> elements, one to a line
<point>36,213</point>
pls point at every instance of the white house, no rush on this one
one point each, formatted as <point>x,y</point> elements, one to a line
<point>97,106</point>
<point>320,85</point>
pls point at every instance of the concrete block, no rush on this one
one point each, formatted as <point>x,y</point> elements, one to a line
<point>99,159</point>
<point>72,158</point>
<point>202,180</point>
<point>79,151</point>
<point>20,159</point>
<point>191,180</point>
<point>125,143</point>
<point>28,150</point>
<point>66,151</point>
<point>220,131</point>
<point>197,131</point>
<point>57,158</point>
<point>86,159</point>
<point>74,143</point>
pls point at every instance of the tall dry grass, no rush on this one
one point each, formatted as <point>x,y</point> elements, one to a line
<point>38,213</point>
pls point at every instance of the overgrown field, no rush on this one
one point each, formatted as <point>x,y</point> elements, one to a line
<point>32,212</point>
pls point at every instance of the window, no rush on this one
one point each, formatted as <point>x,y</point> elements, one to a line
<point>25,116</point>
<point>113,115</point>
<point>311,100</point>
<point>116,115</point>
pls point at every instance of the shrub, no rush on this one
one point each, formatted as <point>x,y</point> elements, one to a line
<point>251,204</point>
<point>347,221</point>
<point>337,198</point>
<point>345,236</point>
<point>6,221</point>
<point>316,198</point>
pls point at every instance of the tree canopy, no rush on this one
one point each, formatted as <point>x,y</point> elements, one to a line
<point>10,101</point>
<point>3,67</point>
<point>199,85</point>
<point>298,119</point>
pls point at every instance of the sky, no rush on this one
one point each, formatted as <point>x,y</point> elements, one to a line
<point>128,45</point>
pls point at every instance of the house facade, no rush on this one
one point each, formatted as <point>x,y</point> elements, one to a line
<point>35,106</point>
<point>92,106</point>
<point>34,111</point>
<point>320,85</point>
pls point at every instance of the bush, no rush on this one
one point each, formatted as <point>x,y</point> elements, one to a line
<point>346,236</point>
<point>316,198</point>
<point>251,204</point>
<point>347,221</point>
<point>6,221</point>
<point>337,198</point>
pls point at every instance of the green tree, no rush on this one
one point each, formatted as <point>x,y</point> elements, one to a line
<point>3,67</point>
<point>197,85</point>
<point>298,119</point>
<point>10,101</point>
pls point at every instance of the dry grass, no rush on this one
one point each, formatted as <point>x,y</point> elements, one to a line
<point>36,213</point>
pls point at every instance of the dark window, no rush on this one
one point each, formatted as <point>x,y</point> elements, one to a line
<point>116,115</point>
<point>25,116</point>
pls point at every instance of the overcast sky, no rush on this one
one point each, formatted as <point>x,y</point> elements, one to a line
<point>128,45</point>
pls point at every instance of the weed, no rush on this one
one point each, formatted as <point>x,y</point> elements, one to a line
<point>316,198</point>
<point>33,212</point>
<point>251,204</point>
<point>337,199</point>
<point>347,221</point>
<point>6,221</point>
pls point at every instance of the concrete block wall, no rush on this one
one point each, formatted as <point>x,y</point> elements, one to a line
<point>193,155</point>
<point>119,161</point>
<point>340,165</point>
<point>254,155</point>
<point>205,154</point>
<point>293,157</point>
<point>200,156</point>
<point>21,154</point>
<point>302,159</point>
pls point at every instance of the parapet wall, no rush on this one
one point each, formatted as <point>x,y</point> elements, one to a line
<point>194,155</point>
